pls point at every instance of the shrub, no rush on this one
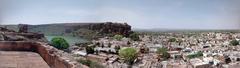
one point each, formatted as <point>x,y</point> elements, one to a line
<point>134,36</point>
<point>117,48</point>
<point>163,52</point>
<point>89,49</point>
<point>96,65</point>
<point>85,62</point>
<point>234,42</point>
<point>198,54</point>
<point>172,40</point>
<point>59,43</point>
<point>118,37</point>
<point>165,55</point>
<point>128,54</point>
<point>90,63</point>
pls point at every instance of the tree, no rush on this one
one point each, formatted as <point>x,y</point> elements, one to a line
<point>234,42</point>
<point>172,40</point>
<point>162,50</point>
<point>59,43</point>
<point>117,48</point>
<point>198,54</point>
<point>89,49</point>
<point>118,37</point>
<point>134,36</point>
<point>163,53</point>
<point>128,54</point>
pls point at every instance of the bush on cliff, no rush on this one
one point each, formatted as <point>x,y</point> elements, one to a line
<point>128,54</point>
<point>59,43</point>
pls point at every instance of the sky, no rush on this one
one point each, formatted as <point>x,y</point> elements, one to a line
<point>141,14</point>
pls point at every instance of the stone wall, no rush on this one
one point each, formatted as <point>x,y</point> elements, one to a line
<point>53,57</point>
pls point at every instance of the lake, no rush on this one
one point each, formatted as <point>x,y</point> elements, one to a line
<point>70,39</point>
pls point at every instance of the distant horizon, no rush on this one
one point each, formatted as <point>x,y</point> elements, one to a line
<point>153,29</point>
<point>142,14</point>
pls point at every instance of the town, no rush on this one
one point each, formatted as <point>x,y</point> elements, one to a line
<point>166,50</point>
<point>119,34</point>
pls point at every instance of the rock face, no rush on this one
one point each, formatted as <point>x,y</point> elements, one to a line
<point>22,35</point>
<point>111,28</point>
<point>5,30</point>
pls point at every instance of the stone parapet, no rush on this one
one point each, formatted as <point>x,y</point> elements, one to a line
<point>52,56</point>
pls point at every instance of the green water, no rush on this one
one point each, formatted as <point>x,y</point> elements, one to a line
<point>70,39</point>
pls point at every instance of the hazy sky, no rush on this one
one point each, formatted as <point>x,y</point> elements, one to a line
<point>167,14</point>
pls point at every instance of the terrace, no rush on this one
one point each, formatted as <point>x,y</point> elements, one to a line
<point>23,54</point>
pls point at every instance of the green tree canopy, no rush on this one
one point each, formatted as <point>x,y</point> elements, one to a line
<point>59,43</point>
<point>89,49</point>
<point>128,54</point>
<point>198,54</point>
<point>163,52</point>
<point>234,42</point>
<point>172,40</point>
<point>118,37</point>
<point>134,36</point>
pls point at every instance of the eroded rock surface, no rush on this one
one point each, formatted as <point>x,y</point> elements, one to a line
<point>22,35</point>
<point>113,28</point>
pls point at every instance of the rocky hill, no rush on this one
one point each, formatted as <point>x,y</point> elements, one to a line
<point>11,35</point>
<point>87,30</point>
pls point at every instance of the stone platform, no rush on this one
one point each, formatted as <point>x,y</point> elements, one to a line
<point>18,59</point>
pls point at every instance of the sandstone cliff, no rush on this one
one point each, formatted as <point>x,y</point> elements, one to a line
<point>113,28</point>
<point>85,30</point>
